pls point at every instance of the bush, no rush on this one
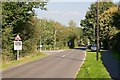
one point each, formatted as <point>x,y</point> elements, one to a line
<point>115,42</point>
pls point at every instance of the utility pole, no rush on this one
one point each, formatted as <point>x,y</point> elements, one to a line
<point>97,53</point>
<point>54,38</point>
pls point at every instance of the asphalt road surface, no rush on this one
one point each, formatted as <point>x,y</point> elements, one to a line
<point>64,64</point>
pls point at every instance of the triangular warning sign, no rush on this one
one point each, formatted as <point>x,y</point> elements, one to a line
<point>17,37</point>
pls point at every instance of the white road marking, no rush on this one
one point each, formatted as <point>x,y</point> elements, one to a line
<point>65,54</point>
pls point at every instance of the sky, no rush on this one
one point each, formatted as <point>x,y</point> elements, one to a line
<point>63,11</point>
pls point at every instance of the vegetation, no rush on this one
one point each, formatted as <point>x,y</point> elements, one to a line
<point>56,36</point>
<point>92,68</point>
<point>89,23</point>
<point>109,17</point>
<point>20,18</point>
<point>108,30</point>
<point>116,55</point>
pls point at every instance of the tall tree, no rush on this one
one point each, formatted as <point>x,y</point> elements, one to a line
<point>17,18</point>
<point>89,23</point>
<point>107,29</point>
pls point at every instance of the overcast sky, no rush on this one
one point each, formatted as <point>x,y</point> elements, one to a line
<point>63,11</point>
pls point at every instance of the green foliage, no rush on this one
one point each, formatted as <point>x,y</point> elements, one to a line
<point>75,34</point>
<point>7,40</point>
<point>109,17</point>
<point>89,23</point>
<point>107,29</point>
<point>116,19</point>
<point>20,18</point>
<point>116,55</point>
<point>110,28</point>
<point>115,42</point>
<point>17,18</point>
<point>54,35</point>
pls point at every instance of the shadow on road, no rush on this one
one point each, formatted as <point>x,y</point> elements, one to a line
<point>112,65</point>
<point>81,48</point>
<point>71,58</point>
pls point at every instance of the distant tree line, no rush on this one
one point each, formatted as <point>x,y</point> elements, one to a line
<point>55,35</point>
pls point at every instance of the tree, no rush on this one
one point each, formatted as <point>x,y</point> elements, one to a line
<point>18,18</point>
<point>109,18</point>
<point>119,5</point>
<point>75,34</point>
<point>89,23</point>
<point>72,23</point>
<point>107,29</point>
<point>53,34</point>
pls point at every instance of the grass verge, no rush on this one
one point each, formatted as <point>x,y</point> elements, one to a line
<point>4,66</point>
<point>92,68</point>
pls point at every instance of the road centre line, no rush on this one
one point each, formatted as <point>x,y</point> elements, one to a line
<point>65,54</point>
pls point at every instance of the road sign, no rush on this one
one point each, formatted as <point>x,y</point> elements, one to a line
<point>17,45</point>
<point>17,37</point>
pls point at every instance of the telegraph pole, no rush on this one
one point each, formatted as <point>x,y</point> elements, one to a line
<point>55,38</point>
<point>97,53</point>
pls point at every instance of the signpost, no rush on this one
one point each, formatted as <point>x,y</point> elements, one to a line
<point>40,48</point>
<point>17,45</point>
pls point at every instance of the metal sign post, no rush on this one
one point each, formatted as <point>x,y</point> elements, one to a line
<point>18,46</point>
<point>18,55</point>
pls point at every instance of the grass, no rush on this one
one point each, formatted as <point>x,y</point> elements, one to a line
<point>4,66</point>
<point>92,68</point>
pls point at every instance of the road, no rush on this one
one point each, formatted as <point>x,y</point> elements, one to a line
<point>64,64</point>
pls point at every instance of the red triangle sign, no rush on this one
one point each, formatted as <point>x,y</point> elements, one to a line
<point>17,37</point>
